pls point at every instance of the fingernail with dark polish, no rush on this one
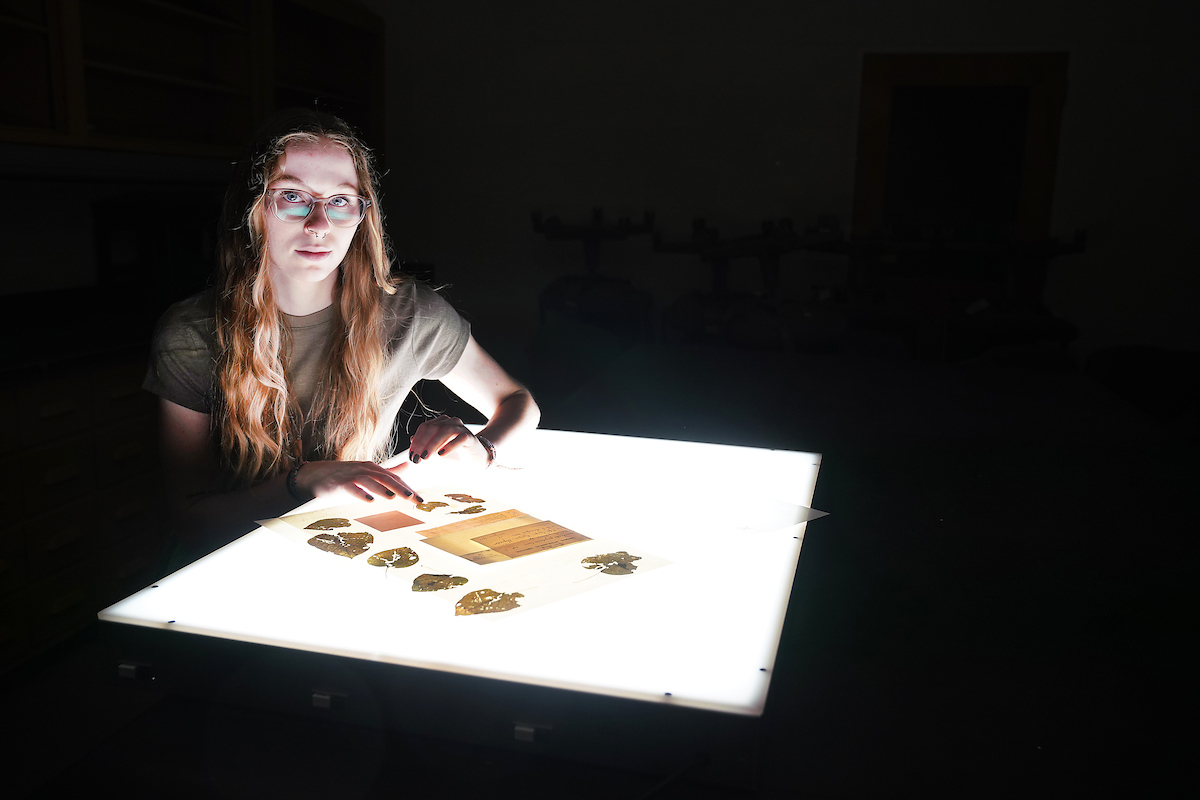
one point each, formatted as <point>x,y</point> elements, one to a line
<point>442,452</point>
<point>425,454</point>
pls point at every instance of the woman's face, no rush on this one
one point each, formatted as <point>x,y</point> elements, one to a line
<point>310,251</point>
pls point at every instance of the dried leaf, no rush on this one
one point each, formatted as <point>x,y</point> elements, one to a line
<point>433,583</point>
<point>486,601</point>
<point>399,557</point>
<point>618,563</point>
<point>328,524</point>
<point>348,544</point>
<point>466,498</point>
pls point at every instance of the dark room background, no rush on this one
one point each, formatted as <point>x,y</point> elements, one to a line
<point>739,112</point>
<point>734,113</point>
<point>942,221</point>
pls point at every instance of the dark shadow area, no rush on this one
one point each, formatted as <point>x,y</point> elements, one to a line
<point>1002,601</point>
<point>1000,604</point>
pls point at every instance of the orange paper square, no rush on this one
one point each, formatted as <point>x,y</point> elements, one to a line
<point>388,521</point>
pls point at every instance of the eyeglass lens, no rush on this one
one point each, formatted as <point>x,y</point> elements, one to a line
<point>293,205</point>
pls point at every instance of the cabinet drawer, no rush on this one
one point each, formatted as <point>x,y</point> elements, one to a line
<point>124,450</point>
<point>129,508</point>
<point>8,405</point>
<point>68,535</point>
<point>62,603</point>
<point>134,564</point>
<point>14,560</point>
<point>14,632</point>
<point>56,474</point>
<point>12,485</point>
<point>52,408</point>
<point>117,391</point>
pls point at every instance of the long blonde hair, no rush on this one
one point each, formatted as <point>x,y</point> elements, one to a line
<point>258,423</point>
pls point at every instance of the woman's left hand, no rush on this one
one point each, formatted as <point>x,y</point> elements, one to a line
<point>446,437</point>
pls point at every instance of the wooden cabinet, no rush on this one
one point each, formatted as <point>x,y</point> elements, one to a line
<point>161,78</point>
<point>79,515</point>
<point>189,77</point>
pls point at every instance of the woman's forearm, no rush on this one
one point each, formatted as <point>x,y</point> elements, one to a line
<point>233,513</point>
<point>238,509</point>
<point>517,414</point>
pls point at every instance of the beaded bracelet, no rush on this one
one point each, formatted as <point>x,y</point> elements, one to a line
<point>292,488</point>
<point>487,445</point>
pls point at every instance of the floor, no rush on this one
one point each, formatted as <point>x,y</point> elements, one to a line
<point>1000,604</point>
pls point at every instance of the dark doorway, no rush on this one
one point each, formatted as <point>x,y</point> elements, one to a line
<point>955,157</point>
<point>953,193</point>
<point>960,145</point>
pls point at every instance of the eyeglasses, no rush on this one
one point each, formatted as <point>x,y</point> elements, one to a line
<point>294,205</point>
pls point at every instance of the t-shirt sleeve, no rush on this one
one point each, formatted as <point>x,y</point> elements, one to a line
<point>182,365</point>
<point>435,335</point>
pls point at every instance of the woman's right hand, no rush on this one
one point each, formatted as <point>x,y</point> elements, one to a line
<point>362,480</point>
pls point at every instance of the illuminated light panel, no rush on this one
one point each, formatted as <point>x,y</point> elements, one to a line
<point>700,632</point>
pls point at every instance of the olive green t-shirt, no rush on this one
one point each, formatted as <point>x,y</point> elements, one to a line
<point>424,339</point>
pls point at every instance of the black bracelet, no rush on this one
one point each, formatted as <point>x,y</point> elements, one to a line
<point>487,445</point>
<point>292,488</point>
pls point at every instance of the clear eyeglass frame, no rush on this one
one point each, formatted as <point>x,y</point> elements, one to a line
<point>288,211</point>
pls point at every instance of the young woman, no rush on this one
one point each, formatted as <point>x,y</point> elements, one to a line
<point>283,382</point>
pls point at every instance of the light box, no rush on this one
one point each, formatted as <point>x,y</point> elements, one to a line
<point>721,528</point>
